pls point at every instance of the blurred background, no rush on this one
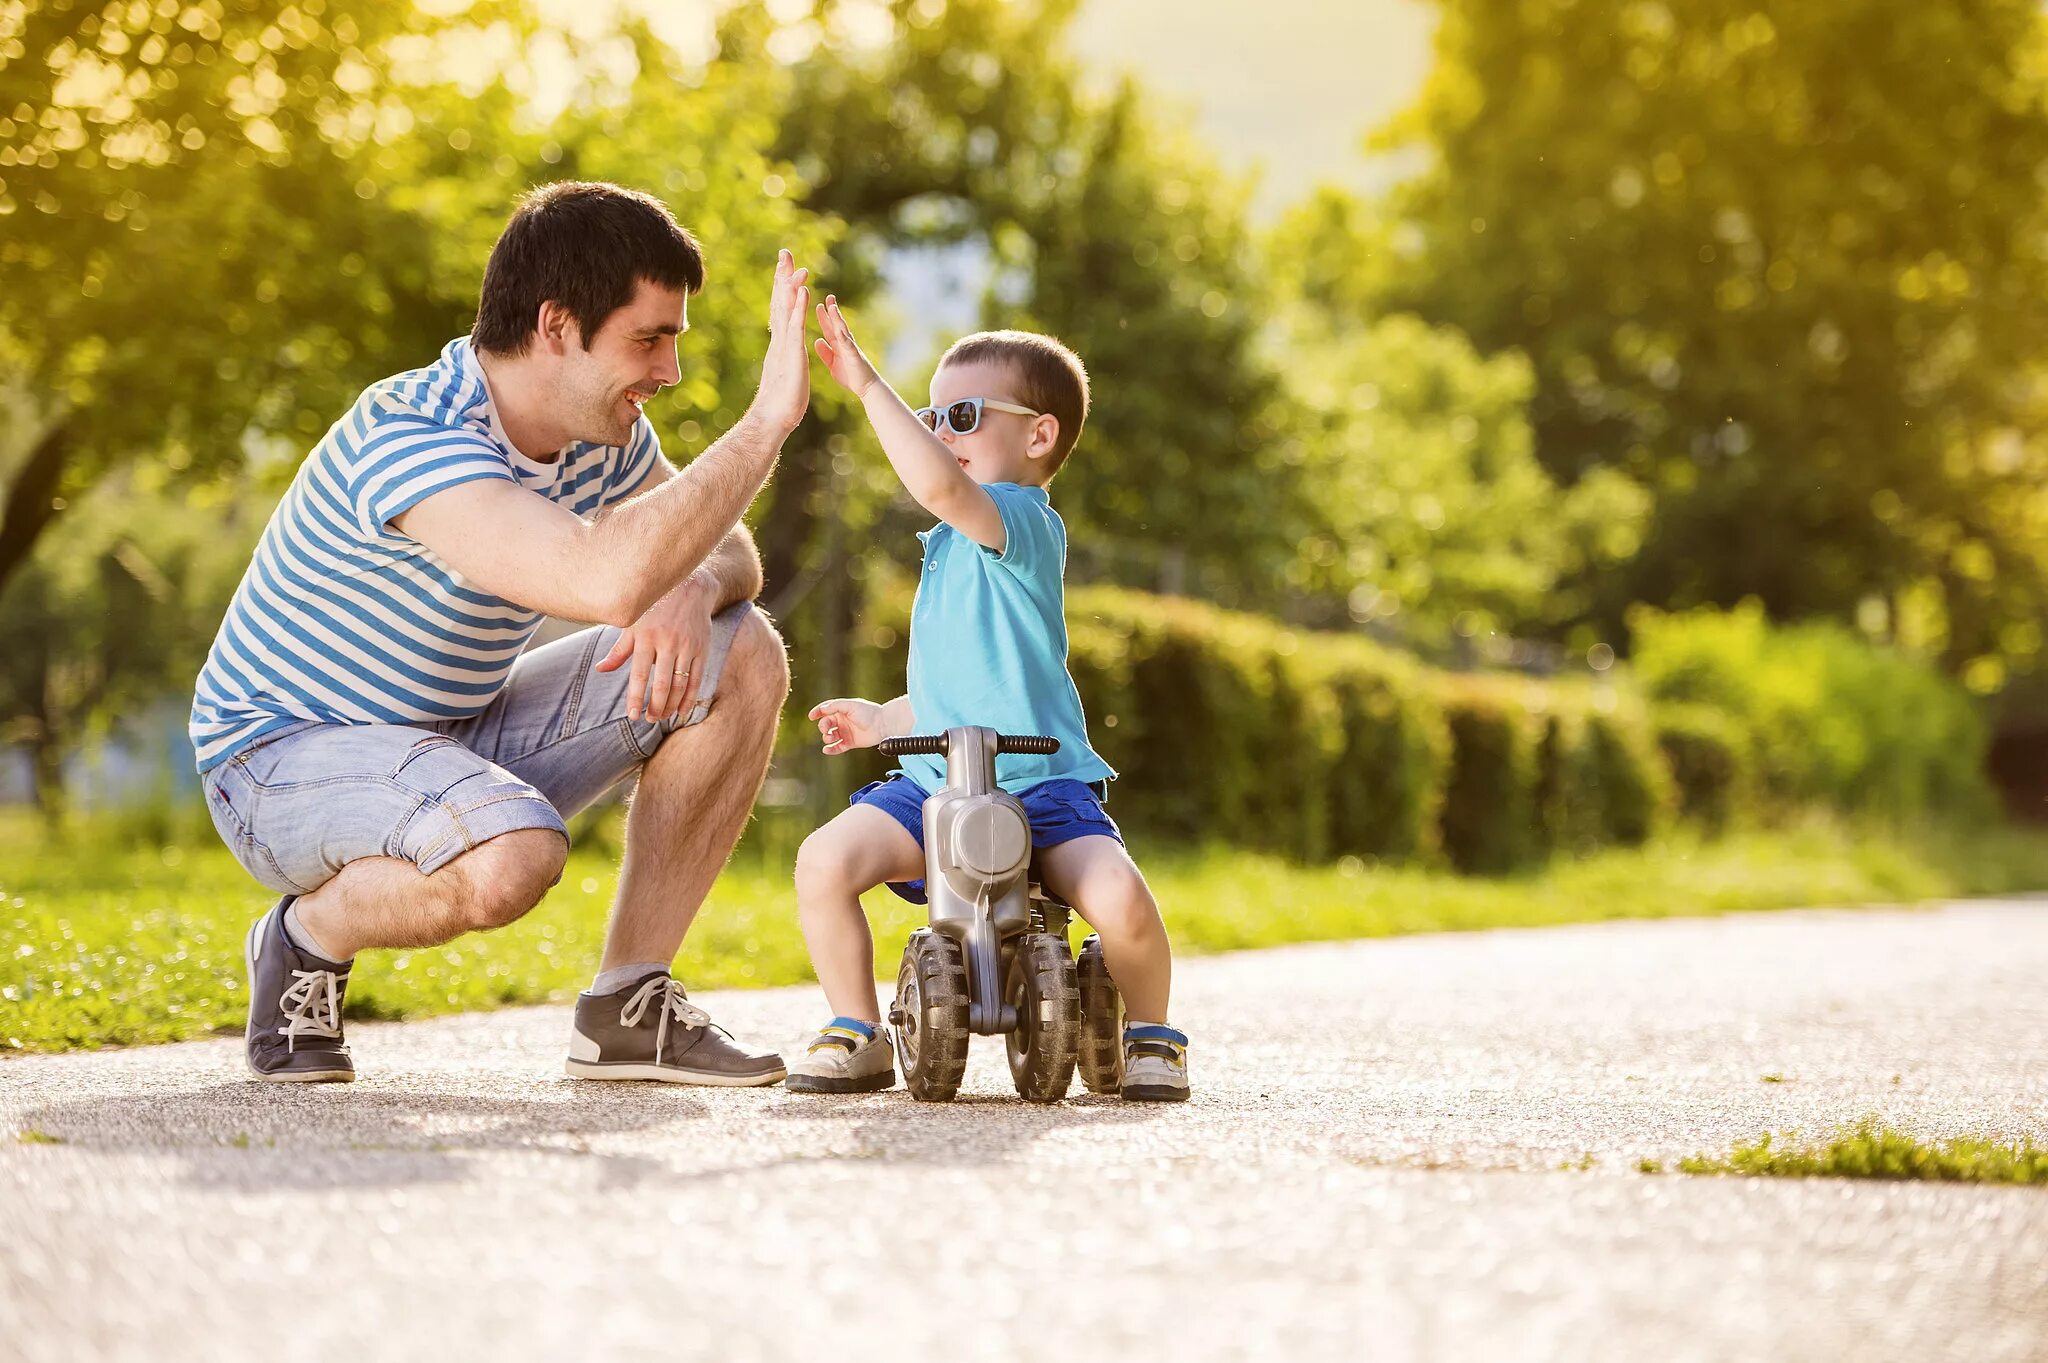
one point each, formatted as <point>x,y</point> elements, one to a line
<point>1518,428</point>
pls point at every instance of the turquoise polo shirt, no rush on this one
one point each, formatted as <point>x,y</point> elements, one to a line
<point>988,644</point>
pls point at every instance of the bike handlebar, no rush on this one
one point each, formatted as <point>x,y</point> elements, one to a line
<point>936,744</point>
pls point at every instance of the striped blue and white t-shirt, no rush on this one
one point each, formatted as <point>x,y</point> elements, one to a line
<point>342,619</point>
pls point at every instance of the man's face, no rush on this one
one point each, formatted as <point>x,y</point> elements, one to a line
<point>631,358</point>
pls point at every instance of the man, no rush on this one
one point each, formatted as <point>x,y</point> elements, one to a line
<point>374,744</point>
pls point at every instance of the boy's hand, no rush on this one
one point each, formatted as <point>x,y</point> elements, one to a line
<point>840,352</point>
<point>848,724</point>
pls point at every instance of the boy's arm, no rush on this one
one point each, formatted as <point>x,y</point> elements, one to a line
<point>897,719</point>
<point>928,469</point>
<point>930,472</point>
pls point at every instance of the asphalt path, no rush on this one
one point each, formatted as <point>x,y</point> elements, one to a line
<point>1418,1148</point>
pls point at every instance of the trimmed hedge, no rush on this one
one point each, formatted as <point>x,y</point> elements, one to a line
<point>1709,757</point>
<point>1826,717</point>
<point>1314,746</point>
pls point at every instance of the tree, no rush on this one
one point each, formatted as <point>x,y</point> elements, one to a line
<point>1099,226</point>
<point>213,226</point>
<point>100,617</point>
<point>1783,267</point>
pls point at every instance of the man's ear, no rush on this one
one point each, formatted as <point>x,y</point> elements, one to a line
<point>555,329</point>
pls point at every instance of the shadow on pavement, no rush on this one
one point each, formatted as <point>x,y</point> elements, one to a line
<point>334,1135</point>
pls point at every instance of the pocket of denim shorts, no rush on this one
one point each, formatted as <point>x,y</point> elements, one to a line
<point>434,765</point>
<point>230,799</point>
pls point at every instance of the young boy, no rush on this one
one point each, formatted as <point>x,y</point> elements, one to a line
<point>988,646</point>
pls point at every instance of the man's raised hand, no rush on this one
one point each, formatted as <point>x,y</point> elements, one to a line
<point>785,390</point>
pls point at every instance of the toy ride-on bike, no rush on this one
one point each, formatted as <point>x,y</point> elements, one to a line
<point>995,958</point>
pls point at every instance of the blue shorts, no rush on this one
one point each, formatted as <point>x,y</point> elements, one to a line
<point>1059,811</point>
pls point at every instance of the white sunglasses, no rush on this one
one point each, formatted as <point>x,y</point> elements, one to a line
<point>963,415</point>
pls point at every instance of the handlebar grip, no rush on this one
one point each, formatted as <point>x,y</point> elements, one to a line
<point>936,744</point>
<point>913,743</point>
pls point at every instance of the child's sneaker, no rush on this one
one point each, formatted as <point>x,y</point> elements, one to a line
<point>849,1056</point>
<point>1155,1064</point>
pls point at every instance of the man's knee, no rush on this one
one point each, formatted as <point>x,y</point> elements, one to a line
<point>499,880</point>
<point>757,667</point>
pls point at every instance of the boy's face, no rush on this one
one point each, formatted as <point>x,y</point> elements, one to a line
<point>1006,447</point>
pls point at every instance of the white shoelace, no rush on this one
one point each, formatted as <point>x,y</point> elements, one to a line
<point>312,1006</point>
<point>672,1005</point>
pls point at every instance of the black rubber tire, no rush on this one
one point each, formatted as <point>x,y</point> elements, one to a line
<point>1041,986</point>
<point>1101,1055</point>
<point>931,1017</point>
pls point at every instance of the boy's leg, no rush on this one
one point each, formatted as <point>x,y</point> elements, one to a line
<point>1097,876</point>
<point>859,849</point>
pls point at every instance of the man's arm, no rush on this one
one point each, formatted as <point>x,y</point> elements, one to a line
<point>527,549</point>
<point>731,572</point>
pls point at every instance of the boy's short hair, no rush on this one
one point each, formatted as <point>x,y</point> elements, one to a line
<point>585,245</point>
<point>1050,378</point>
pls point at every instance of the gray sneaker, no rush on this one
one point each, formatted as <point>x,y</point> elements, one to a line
<point>649,1030</point>
<point>294,1033</point>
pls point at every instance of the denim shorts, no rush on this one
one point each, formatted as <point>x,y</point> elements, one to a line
<point>1059,811</point>
<point>304,802</point>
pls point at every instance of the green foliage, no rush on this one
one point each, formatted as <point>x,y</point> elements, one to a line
<point>1600,778</point>
<point>215,216</point>
<point>1103,224</point>
<point>1830,718</point>
<point>1430,511</point>
<point>1709,756</point>
<point>1489,822</point>
<point>1779,264</point>
<point>128,944</point>
<point>1872,1150</point>
<point>103,615</point>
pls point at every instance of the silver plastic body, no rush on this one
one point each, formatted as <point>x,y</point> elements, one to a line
<point>977,848</point>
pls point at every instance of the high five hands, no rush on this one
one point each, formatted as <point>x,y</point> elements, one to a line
<point>785,390</point>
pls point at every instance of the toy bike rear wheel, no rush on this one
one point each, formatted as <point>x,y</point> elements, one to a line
<point>1102,1022</point>
<point>930,1014</point>
<point>1041,986</point>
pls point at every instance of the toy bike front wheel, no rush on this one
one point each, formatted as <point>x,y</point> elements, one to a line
<point>930,1014</point>
<point>1040,985</point>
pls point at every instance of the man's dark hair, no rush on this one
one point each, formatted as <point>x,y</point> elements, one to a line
<point>585,245</point>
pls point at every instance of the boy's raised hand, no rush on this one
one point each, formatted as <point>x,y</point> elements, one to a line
<point>848,724</point>
<point>840,352</point>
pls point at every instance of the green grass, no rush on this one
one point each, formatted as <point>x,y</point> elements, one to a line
<point>106,942</point>
<point>1868,1150</point>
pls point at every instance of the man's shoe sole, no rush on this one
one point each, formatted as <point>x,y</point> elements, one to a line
<point>667,1074</point>
<point>1155,1093</point>
<point>346,1076</point>
<point>819,1083</point>
<point>305,1076</point>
